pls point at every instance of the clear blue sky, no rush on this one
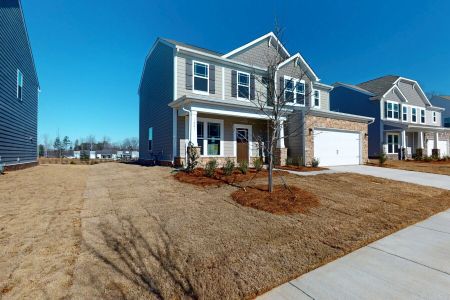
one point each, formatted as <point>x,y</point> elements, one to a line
<point>89,54</point>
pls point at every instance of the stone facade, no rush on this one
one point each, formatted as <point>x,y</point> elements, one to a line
<point>181,161</point>
<point>312,122</point>
<point>280,156</point>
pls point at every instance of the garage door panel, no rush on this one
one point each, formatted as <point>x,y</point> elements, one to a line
<point>334,148</point>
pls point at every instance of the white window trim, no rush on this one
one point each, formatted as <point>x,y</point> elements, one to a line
<point>250,140</point>
<point>387,111</point>
<point>205,135</point>
<point>237,85</point>
<point>314,98</point>
<point>424,115</point>
<point>17,85</point>
<point>193,78</point>
<point>387,142</point>
<point>407,113</point>
<point>412,121</point>
<point>434,117</point>
<point>295,81</point>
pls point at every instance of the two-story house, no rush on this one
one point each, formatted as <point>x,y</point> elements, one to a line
<point>444,102</point>
<point>404,117</point>
<point>19,89</point>
<point>191,94</point>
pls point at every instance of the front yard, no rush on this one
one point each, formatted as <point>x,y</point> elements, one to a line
<point>124,231</point>
<point>436,167</point>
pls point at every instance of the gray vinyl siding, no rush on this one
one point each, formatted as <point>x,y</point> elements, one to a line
<point>411,94</point>
<point>324,98</point>
<point>18,119</point>
<point>257,55</point>
<point>294,71</point>
<point>392,96</point>
<point>155,94</point>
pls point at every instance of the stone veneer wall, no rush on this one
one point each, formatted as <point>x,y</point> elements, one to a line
<point>330,123</point>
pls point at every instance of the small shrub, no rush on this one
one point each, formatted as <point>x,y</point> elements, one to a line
<point>382,158</point>
<point>257,163</point>
<point>427,158</point>
<point>243,167</point>
<point>298,161</point>
<point>193,157</point>
<point>72,162</point>
<point>228,167</point>
<point>315,162</point>
<point>289,161</point>
<point>210,168</point>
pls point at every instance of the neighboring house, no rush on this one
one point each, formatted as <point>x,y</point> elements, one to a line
<point>193,94</point>
<point>443,101</point>
<point>404,117</point>
<point>19,87</point>
<point>127,155</point>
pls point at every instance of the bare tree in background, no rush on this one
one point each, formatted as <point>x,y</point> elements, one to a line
<point>134,141</point>
<point>47,144</point>
<point>90,140</point>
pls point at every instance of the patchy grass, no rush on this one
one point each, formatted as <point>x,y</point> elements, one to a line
<point>301,168</point>
<point>124,231</point>
<point>436,167</point>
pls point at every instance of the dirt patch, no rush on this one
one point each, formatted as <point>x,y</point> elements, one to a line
<point>436,167</point>
<point>301,168</point>
<point>281,201</point>
<point>198,177</point>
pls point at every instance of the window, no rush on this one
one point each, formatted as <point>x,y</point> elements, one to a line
<point>19,84</point>
<point>300,92</point>
<point>150,139</point>
<point>414,115</point>
<point>289,90</point>
<point>392,110</point>
<point>201,77</point>
<point>316,98</point>
<point>392,143</point>
<point>405,113</point>
<point>243,85</point>
<point>422,116</point>
<point>209,137</point>
<point>434,117</point>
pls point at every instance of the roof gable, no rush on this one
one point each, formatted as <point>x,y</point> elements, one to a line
<point>300,61</point>
<point>379,86</point>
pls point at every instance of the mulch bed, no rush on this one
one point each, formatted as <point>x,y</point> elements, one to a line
<point>198,177</point>
<point>281,201</point>
<point>301,168</point>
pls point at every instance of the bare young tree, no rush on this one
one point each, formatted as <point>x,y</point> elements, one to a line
<point>276,96</point>
<point>47,144</point>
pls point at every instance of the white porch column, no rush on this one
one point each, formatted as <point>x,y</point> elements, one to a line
<point>280,141</point>
<point>193,127</point>
<point>421,139</point>
<point>436,140</point>
<point>404,139</point>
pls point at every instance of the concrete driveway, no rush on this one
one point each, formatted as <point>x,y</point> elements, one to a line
<point>434,180</point>
<point>413,263</point>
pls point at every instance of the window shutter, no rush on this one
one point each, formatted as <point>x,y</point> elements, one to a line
<point>252,87</point>
<point>188,74</point>
<point>233,83</point>
<point>212,79</point>
<point>385,109</point>
<point>281,89</point>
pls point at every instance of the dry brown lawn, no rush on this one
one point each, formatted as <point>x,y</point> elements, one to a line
<point>123,231</point>
<point>436,167</point>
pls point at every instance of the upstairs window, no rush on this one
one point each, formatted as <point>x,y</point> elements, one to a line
<point>392,110</point>
<point>19,84</point>
<point>201,77</point>
<point>434,117</point>
<point>422,116</point>
<point>300,92</point>
<point>289,90</point>
<point>316,98</point>
<point>243,85</point>
<point>414,115</point>
<point>150,139</point>
<point>405,113</point>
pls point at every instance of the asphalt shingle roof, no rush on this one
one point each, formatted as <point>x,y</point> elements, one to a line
<point>192,47</point>
<point>379,86</point>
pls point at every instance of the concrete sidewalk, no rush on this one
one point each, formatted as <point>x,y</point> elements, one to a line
<point>413,263</point>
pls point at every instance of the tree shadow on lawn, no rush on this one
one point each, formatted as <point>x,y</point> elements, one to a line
<point>153,267</point>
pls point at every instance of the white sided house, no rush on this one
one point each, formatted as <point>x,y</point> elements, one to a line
<point>190,94</point>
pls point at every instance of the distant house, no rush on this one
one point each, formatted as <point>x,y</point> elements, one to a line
<point>443,101</point>
<point>106,154</point>
<point>19,88</point>
<point>128,155</point>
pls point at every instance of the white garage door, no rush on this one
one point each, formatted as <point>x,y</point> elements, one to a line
<point>336,148</point>
<point>442,146</point>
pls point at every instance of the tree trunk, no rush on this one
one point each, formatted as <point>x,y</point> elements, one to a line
<point>270,172</point>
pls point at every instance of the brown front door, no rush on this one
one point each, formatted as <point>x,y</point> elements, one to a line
<point>242,144</point>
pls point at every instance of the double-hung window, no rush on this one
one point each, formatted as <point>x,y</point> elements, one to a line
<point>422,116</point>
<point>392,110</point>
<point>316,98</point>
<point>434,117</point>
<point>208,137</point>
<point>201,77</point>
<point>201,137</point>
<point>392,139</point>
<point>289,90</point>
<point>243,85</point>
<point>414,115</point>
<point>19,85</point>
<point>405,113</point>
<point>300,92</point>
<point>150,139</point>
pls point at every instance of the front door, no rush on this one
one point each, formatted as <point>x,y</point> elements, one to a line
<point>242,144</point>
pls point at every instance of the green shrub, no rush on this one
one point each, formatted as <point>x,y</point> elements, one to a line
<point>210,168</point>
<point>427,158</point>
<point>193,157</point>
<point>228,167</point>
<point>315,162</point>
<point>257,163</point>
<point>382,158</point>
<point>243,167</point>
<point>298,161</point>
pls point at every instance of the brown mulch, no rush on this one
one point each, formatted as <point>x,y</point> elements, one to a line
<point>198,177</point>
<point>301,168</point>
<point>281,201</point>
